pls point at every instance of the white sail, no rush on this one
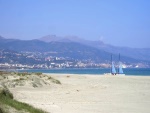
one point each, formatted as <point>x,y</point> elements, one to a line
<point>120,69</point>
<point>113,70</point>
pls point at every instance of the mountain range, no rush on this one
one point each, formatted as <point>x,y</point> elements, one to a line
<point>136,53</point>
<point>77,48</point>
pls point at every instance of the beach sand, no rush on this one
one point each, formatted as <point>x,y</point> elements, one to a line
<point>89,94</point>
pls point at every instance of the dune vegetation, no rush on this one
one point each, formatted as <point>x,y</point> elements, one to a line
<point>14,79</point>
<point>9,105</point>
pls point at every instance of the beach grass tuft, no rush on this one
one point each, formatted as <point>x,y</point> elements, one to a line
<point>54,80</point>
<point>13,79</point>
<point>6,98</point>
<point>23,73</point>
<point>38,73</point>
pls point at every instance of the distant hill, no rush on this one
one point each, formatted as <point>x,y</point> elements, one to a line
<point>13,57</point>
<point>70,47</point>
<point>54,38</point>
<point>136,53</point>
<point>2,37</point>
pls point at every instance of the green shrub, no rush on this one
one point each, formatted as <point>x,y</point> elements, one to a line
<point>34,85</point>
<point>56,81</point>
<point>38,73</point>
<point>23,73</point>
<point>1,111</point>
<point>50,78</point>
<point>6,98</point>
<point>5,92</point>
<point>22,78</point>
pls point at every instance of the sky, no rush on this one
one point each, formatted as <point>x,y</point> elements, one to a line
<point>115,22</point>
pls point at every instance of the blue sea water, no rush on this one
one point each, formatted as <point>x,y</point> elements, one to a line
<point>97,71</point>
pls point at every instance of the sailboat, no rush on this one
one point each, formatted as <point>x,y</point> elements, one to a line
<point>113,70</point>
<point>120,70</point>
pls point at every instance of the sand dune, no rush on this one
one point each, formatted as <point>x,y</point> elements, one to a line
<point>89,94</point>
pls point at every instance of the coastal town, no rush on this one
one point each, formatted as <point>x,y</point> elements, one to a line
<point>61,62</point>
<point>47,60</point>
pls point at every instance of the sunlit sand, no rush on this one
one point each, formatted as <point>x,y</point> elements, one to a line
<point>89,94</point>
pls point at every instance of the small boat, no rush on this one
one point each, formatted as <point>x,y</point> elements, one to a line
<point>113,70</point>
<point>120,70</point>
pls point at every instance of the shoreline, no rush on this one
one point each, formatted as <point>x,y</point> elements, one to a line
<point>128,72</point>
<point>100,75</point>
<point>89,93</point>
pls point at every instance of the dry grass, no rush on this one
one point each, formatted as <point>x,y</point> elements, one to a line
<point>6,99</point>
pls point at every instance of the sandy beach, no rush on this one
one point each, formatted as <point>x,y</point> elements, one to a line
<point>89,94</point>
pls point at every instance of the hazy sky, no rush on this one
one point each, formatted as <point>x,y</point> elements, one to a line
<point>117,22</point>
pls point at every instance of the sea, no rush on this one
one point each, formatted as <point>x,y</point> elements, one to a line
<point>95,71</point>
